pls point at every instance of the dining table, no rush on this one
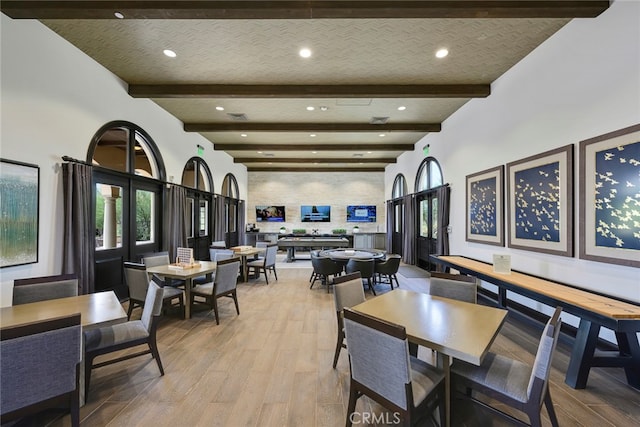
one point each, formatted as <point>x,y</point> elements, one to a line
<point>186,273</point>
<point>96,310</point>
<point>454,329</point>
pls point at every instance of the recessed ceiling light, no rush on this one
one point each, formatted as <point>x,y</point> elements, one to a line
<point>314,152</point>
<point>259,152</point>
<point>313,135</point>
<point>305,52</point>
<point>402,108</point>
<point>369,152</point>
<point>219,108</point>
<point>382,135</point>
<point>244,135</point>
<point>169,53</point>
<point>441,53</point>
<point>310,108</point>
<point>119,15</point>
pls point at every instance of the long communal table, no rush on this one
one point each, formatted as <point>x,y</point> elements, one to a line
<point>291,243</point>
<point>594,310</point>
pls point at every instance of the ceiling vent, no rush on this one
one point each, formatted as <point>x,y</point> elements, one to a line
<point>268,154</point>
<point>357,155</point>
<point>379,120</point>
<point>238,117</point>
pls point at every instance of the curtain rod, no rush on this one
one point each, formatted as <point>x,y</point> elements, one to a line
<point>82,162</point>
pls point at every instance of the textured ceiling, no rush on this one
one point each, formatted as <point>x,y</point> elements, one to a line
<point>348,52</point>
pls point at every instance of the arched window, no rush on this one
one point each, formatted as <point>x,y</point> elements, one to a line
<point>429,175</point>
<point>399,187</point>
<point>196,174</point>
<point>126,147</point>
<point>230,187</point>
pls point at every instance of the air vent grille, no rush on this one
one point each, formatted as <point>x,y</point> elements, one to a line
<point>379,120</point>
<point>238,117</point>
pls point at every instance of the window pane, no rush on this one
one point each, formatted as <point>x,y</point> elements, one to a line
<point>145,217</point>
<point>422,178</point>
<point>204,218</point>
<point>203,180</point>
<point>188,174</point>
<point>108,216</point>
<point>435,175</point>
<point>111,150</point>
<point>424,218</point>
<point>232,217</point>
<point>189,218</point>
<point>145,164</point>
<point>434,219</point>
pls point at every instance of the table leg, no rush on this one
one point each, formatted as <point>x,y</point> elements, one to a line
<point>187,296</point>
<point>582,354</point>
<point>444,362</point>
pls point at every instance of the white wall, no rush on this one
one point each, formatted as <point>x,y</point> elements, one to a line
<point>54,99</point>
<point>582,82</point>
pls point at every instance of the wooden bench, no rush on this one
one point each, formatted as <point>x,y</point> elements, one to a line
<point>593,309</point>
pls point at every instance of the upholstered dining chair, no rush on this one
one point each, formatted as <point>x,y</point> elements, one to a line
<point>44,288</point>
<point>514,383</point>
<point>266,264</point>
<point>133,333</point>
<point>323,269</point>
<point>383,370</point>
<point>454,286</point>
<point>347,292</point>
<point>220,254</point>
<point>366,267</point>
<point>388,269</point>
<point>223,285</point>
<point>314,253</point>
<point>161,258</point>
<point>137,280</point>
<point>40,366</point>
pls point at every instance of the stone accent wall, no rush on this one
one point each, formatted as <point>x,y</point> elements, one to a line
<point>293,189</point>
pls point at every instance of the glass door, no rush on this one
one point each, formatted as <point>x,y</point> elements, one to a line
<point>397,232</point>
<point>199,218</point>
<point>427,227</point>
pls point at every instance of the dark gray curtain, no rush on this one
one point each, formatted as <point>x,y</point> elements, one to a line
<point>390,222</point>
<point>442,243</point>
<point>409,238</point>
<point>78,251</point>
<point>241,223</point>
<point>176,225</point>
<point>219,226</point>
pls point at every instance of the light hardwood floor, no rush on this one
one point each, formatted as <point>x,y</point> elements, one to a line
<point>271,366</point>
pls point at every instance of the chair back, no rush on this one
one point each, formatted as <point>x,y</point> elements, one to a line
<point>454,286</point>
<point>325,266</point>
<point>364,266</point>
<point>226,275</point>
<point>379,356</point>
<point>135,275</point>
<point>44,288</point>
<point>539,380</point>
<point>270,255</point>
<point>220,254</point>
<point>152,305</point>
<point>154,260</point>
<point>39,362</point>
<point>348,291</point>
<point>219,244</point>
<point>262,244</point>
<point>390,265</point>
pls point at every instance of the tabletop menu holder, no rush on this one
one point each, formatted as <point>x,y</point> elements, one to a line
<point>184,260</point>
<point>502,264</point>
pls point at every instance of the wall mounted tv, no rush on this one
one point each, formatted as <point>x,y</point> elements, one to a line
<point>361,213</point>
<point>270,213</point>
<point>315,213</point>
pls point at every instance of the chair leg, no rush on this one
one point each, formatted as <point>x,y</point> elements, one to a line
<point>353,397</point>
<point>182,307</point>
<point>130,309</point>
<point>156,355</point>
<point>215,308</point>
<point>75,407</point>
<point>235,300</point>
<point>266,276</point>
<point>274,272</point>
<point>88,364</point>
<point>338,347</point>
<point>550,409</point>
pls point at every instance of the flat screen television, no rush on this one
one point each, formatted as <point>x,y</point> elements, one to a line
<point>270,213</point>
<point>361,213</point>
<point>315,213</point>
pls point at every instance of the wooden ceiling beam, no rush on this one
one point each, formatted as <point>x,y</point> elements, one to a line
<point>311,161</point>
<point>241,126</point>
<point>312,169</point>
<point>309,147</point>
<point>53,9</point>
<point>309,91</point>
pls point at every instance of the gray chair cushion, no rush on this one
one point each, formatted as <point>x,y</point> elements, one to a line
<point>499,373</point>
<point>112,335</point>
<point>424,378</point>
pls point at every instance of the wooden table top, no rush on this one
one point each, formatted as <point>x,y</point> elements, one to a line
<point>96,310</point>
<point>188,273</point>
<point>248,251</point>
<point>348,253</point>
<point>606,306</point>
<point>458,329</point>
